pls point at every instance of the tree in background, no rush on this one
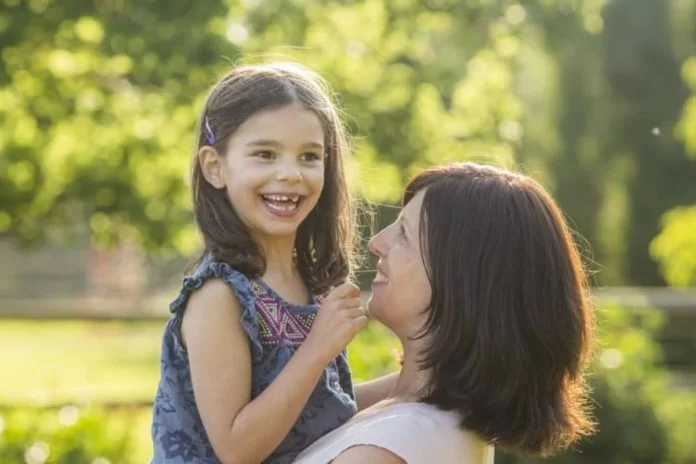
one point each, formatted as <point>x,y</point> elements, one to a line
<point>96,114</point>
<point>675,246</point>
<point>645,48</point>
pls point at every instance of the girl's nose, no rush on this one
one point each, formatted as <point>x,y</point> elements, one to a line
<point>287,170</point>
<point>292,176</point>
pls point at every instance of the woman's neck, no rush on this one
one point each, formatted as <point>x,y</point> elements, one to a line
<point>413,379</point>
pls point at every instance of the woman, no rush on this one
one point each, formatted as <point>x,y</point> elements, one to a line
<point>480,281</point>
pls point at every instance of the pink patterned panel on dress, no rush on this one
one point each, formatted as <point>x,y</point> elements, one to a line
<point>277,325</point>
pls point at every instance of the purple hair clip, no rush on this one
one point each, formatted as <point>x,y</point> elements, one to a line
<point>208,131</point>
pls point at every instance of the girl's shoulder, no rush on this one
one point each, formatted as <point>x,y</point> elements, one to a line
<point>241,286</point>
<point>208,268</point>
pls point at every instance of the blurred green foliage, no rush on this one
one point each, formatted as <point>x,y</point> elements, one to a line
<point>373,353</point>
<point>98,102</point>
<point>675,247</point>
<point>70,435</point>
<point>96,108</point>
<point>641,418</point>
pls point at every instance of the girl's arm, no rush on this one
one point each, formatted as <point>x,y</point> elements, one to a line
<point>374,391</point>
<point>241,430</point>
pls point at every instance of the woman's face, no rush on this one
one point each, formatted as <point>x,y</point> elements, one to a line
<point>401,290</point>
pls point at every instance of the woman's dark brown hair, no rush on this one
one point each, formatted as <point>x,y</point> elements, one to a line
<point>510,328</point>
<point>324,244</point>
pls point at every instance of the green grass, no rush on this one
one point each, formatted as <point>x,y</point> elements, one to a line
<point>60,362</point>
<point>83,362</point>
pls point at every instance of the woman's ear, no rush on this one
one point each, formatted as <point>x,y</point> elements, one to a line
<point>212,166</point>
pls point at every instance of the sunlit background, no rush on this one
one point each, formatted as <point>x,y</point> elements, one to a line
<point>98,103</point>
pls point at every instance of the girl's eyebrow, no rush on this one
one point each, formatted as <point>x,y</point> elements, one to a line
<point>264,143</point>
<point>318,146</point>
<point>276,144</point>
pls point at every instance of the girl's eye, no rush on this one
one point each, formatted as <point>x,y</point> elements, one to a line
<point>265,154</point>
<point>310,157</point>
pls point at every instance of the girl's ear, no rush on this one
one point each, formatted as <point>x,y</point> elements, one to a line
<point>212,166</point>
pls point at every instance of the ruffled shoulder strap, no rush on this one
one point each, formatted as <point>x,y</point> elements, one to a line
<point>240,284</point>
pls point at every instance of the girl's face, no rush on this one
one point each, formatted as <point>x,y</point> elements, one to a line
<point>273,170</point>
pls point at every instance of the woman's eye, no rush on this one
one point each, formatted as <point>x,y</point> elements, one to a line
<point>402,231</point>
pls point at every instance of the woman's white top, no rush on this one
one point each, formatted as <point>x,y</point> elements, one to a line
<point>416,432</point>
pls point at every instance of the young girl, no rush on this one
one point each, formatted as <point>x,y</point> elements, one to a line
<point>253,361</point>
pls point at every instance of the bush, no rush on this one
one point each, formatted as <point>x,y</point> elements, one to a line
<point>68,436</point>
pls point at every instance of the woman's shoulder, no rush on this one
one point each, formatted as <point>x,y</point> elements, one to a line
<point>415,414</point>
<point>415,410</point>
<point>427,433</point>
<point>417,422</point>
<point>416,432</point>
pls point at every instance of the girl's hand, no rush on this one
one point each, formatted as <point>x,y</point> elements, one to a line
<point>339,319</point>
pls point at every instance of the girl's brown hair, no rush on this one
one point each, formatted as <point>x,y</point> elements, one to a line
<point>325,239</point>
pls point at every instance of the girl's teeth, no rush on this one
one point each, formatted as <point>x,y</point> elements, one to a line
<point>283,208</point>
<point>282,203</point>
<point>293,198</point>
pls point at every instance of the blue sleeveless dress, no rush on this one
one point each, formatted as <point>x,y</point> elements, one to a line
<point>275,328</point>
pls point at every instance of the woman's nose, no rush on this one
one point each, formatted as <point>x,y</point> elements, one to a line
<point>376,244</point>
